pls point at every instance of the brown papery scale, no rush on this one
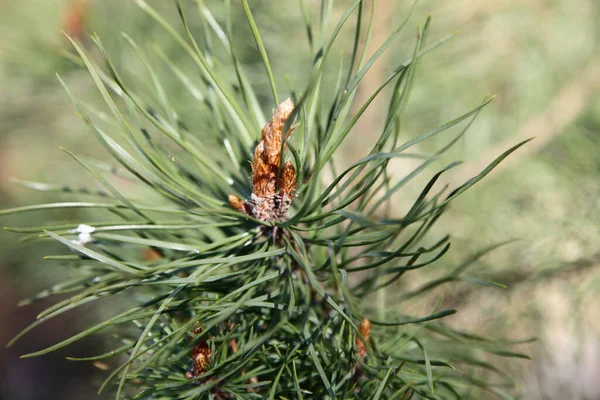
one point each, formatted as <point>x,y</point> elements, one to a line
<point>272,188</point>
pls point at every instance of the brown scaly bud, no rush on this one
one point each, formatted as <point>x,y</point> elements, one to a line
<point>151,254</point>
<point>200,357</point>
<point>365,331</point>
<point>237,203</point>
<point>287,186</point>
<point>272,189</point>
<point>272,132</point>
<point>287,180</point>
<point>263,173</point>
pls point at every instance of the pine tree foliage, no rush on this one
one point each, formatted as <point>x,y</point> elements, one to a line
<point>227,301</point>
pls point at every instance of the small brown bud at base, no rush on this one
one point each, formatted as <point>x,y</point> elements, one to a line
<point>365,331</point>
<point>151,254</point>
<point>200,357</point>
<point>237,203</point>
<point>287,180</point>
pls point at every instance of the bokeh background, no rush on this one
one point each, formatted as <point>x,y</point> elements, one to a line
<point>540,59</point>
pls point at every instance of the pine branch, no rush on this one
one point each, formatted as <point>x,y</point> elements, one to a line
<point>239,287</point>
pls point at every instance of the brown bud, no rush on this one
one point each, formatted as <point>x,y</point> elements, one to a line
<point>263,173</point>
<point>151,254</point>
<point>365,331</point>
<point>287,180</point>
<point>234,346</point>
<point>200,357</point>
<point>272,132</point>
<point>237,203</point>
<point>270,197</point>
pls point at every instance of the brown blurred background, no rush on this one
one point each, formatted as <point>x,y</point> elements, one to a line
<point>539,57</point>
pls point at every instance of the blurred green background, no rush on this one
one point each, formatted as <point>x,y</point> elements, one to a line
<point>540,59</point>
